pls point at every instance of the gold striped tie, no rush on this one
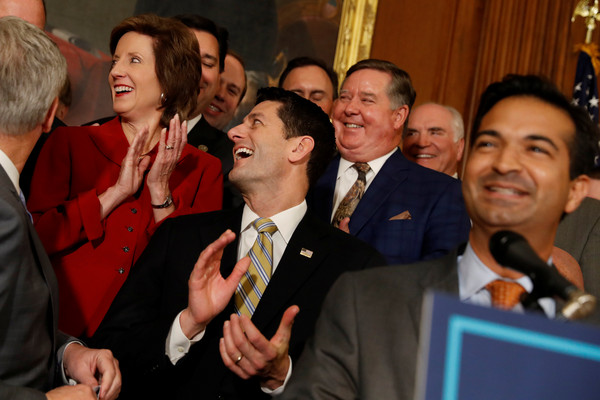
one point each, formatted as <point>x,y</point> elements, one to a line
<point>255,280</point>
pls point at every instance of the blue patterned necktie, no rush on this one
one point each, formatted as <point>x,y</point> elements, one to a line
<point>25,205</point>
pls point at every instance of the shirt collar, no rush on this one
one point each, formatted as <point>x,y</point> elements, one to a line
<point>375,164</point>
<point>473,275</point>
<point>286,221</point>
<point>11,170</point>
<point>193,121</point>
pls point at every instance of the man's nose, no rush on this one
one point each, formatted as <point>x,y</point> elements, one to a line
<point>507,160</point>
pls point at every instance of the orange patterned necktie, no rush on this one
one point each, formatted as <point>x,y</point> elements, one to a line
<point>505,294</point>
<point>351,199</point>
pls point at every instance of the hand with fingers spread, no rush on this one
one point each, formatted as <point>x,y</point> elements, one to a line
<point>209,293</point>
<point>130,176</point>
<point>85,365</point>
<point>247,353</point>
<point>170,147</point>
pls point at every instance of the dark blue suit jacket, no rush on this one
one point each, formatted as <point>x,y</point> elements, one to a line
<point>438,218</point>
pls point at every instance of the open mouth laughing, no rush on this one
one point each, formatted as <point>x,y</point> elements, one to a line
<point>242,152</point>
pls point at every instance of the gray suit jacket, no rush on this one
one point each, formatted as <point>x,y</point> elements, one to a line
<point>579,235</point>
<point>366,338</point>
<point>28,304</point>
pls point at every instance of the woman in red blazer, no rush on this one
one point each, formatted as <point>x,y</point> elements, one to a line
<point>99,192</point>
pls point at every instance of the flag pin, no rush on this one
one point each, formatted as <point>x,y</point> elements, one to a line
<point>306,253</point>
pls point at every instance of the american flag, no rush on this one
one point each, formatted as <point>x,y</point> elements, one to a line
<point>585,90</point>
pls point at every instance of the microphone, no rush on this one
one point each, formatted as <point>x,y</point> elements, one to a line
<point>513,251</point>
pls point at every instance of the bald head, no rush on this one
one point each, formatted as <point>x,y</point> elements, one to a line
<point>32,11</point>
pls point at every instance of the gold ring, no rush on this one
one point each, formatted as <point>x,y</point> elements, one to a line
<point>239,359</point>
<point>169,147</point>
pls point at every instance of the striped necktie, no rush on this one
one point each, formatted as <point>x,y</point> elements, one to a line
<point>255,280</point>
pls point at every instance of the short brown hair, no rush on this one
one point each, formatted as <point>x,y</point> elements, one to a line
<point>178,64</point>
<point>400,91</point>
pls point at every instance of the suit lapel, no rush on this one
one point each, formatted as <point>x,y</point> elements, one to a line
<point>392,174</point>
<point>320,198</point>
<point>447,282</point>
<point>232,220</point>
<point>294,268</point>
<point>39,254</point>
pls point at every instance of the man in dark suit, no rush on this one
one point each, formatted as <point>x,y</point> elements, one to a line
<point>529,150</point>
<point>407,212</point>
<point>280,149</point>
<point>32,352</point>
<point>213,49</point>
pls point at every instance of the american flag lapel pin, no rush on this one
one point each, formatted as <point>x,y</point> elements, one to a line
<point>306,253</point>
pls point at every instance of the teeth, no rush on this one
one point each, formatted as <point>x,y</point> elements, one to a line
<point>213,108</point>
<point>504,190</point>
<point>243,152</point>
<point>424,156</point>
<point>121,89</point>
<point>353,126</point>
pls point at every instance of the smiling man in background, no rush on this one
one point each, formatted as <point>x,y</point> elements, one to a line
<point>232,88</point>
<point>435,138</point>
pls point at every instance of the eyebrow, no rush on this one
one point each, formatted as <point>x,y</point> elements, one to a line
<point>255,115</point>
<point>234,86</point>
<point>209,56</point>
<point>532,137</point>
<point>368,94</point>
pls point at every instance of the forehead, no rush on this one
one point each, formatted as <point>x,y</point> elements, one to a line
<point>308,74</point>
<point>234,72</point>
<point>430,114</point>
<point>521,117</point>
<point>266,110</point>
<point>31,11</point>
<point>208,43</point>
<point>367,80</point>
<point>135,42</point>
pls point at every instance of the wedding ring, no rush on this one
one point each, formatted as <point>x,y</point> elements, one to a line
<point>169,147</point>
<point>239,359</point>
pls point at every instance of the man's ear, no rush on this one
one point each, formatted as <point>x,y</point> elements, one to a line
<point>460,149</point>
<point>579,189</point>
<point>400,115</point>
<point>49,118</point>
<point>302,147</point>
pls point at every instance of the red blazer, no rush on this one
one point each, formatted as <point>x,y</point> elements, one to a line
<point>93,257</point>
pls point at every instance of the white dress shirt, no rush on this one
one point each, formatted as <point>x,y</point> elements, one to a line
<point>473,276</point>
<point>177,344</point>
<point>11,170</point>
<point>192,122</point>
<point>347,175</point>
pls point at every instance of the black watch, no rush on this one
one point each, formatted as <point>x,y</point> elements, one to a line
<point>167,203</point>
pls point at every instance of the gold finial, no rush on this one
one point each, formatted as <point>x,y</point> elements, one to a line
<point>591,15</point>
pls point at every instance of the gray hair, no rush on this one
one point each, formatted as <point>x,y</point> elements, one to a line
<point>32,72</point>
<point>457,124</point>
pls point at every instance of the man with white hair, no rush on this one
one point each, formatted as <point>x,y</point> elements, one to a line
<point>435,138</point>
<point>32,72</point>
